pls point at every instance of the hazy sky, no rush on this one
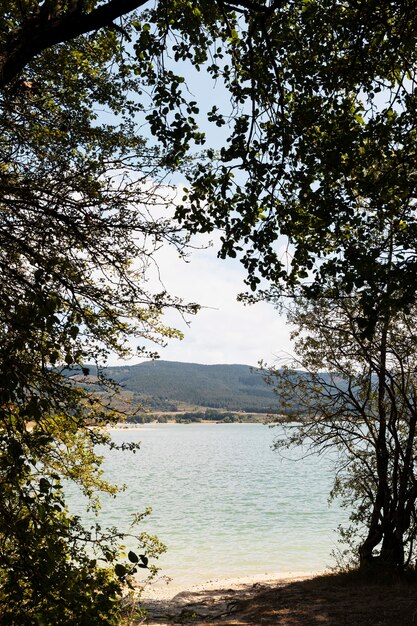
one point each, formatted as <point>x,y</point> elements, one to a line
<point>224,331</point>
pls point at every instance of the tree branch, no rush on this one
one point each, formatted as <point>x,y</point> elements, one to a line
<point>43,30</point>
<point>47,27</point>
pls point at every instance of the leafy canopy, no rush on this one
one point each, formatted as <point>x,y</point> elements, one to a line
<point>326,145</point>
<point>318,138</point>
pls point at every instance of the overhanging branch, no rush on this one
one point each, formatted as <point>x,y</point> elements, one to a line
<point>46,28</point>
<point>43,30</point>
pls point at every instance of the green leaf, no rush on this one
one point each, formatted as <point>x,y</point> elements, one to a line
<point>133,558</point>
<point>44,485</point>
<point>120,570</point>
<point>144,560</point>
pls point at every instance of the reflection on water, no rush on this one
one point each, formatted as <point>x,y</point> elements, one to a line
<point>223,502</point>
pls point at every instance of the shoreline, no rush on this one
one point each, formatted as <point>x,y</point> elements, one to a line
<point>289,599</point>
<point>122,426</point>
<point>214,599</point>
<point>169,590</point>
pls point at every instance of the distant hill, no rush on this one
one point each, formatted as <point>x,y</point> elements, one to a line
<point>164,384</point>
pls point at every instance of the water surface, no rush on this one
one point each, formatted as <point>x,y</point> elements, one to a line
<point>223,501</point>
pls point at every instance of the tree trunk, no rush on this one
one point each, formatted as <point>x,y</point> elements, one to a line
<point>366,550</point>
<point>391,556</point>
<point>392,552</point>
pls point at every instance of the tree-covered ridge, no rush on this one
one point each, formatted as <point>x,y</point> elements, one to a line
<point>161,385</point>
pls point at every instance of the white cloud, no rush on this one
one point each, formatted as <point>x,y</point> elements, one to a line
<point>224,331</point>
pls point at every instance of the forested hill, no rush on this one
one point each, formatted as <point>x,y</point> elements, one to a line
<point>165,383</point>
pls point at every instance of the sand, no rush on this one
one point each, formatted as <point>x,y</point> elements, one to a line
<point>291,599</point>
<point>167,590</point>
<point>171,603</point>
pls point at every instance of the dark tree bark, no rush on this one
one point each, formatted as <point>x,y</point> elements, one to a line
<point>43,30</point>
<point>48,27</point>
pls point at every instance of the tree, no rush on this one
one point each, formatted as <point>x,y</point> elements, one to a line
<point>328,147</point>
<point>76,238</point>
<point>302,122</point>
<point>343,191</point>
<point>47,575</point>
<point>355,393</point>
<point>29,28</point>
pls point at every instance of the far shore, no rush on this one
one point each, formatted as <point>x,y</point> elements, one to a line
<point>124,426</point>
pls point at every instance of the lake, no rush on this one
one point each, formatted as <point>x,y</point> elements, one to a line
<point>223,501</point>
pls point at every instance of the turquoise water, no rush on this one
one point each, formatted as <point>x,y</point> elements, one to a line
<point>223,502</point>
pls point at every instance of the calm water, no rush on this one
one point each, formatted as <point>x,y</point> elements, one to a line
<point>223,502</point>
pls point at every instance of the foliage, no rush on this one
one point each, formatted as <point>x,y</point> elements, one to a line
<point>76,238</point>
<point>188,417</point>
<point>319,138</point>
<point>320,149</point>
<point>323,155</point>
<point>364,409</point>
<point>53,571</point>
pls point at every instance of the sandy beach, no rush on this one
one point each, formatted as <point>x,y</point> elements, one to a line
<point>303,599</point>
<point>168,590</point>
<point>168,603</point>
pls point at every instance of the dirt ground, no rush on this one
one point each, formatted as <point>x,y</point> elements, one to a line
<point>327,600</point>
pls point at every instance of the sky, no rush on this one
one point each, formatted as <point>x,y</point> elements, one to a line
<point>224,330</point>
